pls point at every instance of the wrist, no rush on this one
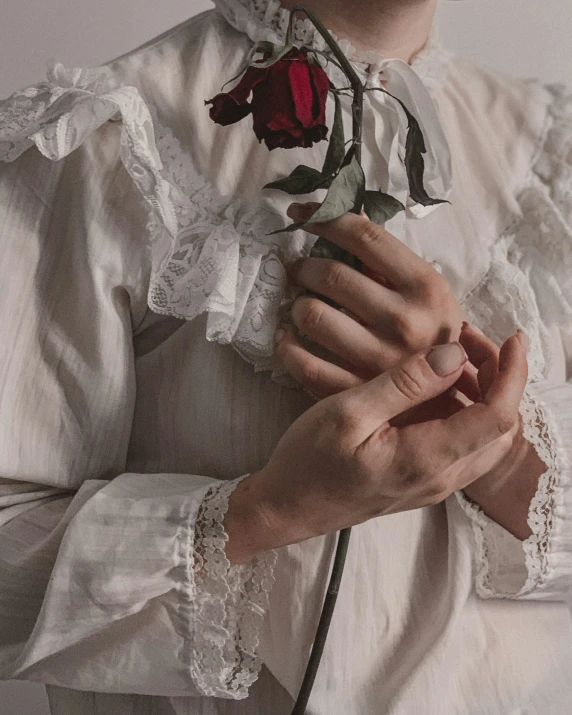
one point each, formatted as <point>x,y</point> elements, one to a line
<point>505,493</point>
<point>253,525</point>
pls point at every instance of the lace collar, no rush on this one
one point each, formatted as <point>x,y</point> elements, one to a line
<point>210,253</point>
<point>268,20</point>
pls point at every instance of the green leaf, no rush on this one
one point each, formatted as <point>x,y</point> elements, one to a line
<point>337,145</point>
<point>381,207</point>
<point>346,193</point>
<point>414,161</point>
<point>303,180</point>
<point>277,53</point>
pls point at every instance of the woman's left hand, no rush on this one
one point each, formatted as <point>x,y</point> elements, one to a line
<point>401,305</point>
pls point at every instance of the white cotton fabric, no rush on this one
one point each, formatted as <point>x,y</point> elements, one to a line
<point>138,385</point>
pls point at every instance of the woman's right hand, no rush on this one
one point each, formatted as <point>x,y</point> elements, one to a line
<point>341,463</point>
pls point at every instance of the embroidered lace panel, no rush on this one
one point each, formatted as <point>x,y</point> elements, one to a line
<point>530,278</point>
<point>222,606</point>
<point>213,254</point>
<point>498,572</point>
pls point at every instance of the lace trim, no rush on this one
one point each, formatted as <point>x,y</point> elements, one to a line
<point>212,253</point>
<point>538,429</point>
<point>28,114</point>
<point>222,261</point>
<point>58,115</point>
<point>209,253</point>
<point>490,548</point>
<point>529,275</point>
<point>496,567</point>
<point>222,606</point>
<point>268,20</point>
<point>554,163</point>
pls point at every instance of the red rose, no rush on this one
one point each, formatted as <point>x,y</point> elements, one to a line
<point>288,102</point>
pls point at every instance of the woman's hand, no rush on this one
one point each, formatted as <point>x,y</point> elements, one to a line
<point>401,305</point>
<point>342,463</point>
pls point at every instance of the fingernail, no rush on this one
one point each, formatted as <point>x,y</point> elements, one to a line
<point>445,359</point>
<point>279,335</point>
<point>521,335</point>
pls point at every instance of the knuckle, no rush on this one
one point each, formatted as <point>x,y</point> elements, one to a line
<point>370,234</point>
<point>451,452</point>
<point>409,328</point>
<point>408,381</point>
<point>434,286</point>
<point>403,323</point>
<point>345,418</point>
<point>310,374</point>
<point>504,422</point>
<point>333,274</point>
<point>308,313</point>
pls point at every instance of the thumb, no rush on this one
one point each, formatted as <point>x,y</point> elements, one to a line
<point>415,380</point>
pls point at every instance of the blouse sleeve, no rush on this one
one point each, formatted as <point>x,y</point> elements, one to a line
<point>111,581</point>
<point>540,567</point>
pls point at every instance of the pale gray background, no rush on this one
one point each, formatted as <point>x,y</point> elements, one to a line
<point>527,38</point>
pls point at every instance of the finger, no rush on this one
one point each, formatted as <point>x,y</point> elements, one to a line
<point>468,383</point>
<point>506,391</point>
<point>342,335</point>
<point>372,244</point>
<point>320,376</point>
<point>477,425</point>
<point>478,347</point>
<point>483,354</point>
<point>373,303</point>
<point>408,384</point>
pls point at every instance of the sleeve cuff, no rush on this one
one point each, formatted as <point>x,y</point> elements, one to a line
<point>539,568</point>
<point>222,606</point>
<point>141,579</point>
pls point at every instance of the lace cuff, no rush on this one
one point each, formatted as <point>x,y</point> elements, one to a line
<point>539,568</point>
<point>222,606</point>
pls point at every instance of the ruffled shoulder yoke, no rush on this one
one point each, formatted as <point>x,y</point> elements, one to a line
<point>212,253</point>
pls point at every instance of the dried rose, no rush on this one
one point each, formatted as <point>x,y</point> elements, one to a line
<point>288,101</point>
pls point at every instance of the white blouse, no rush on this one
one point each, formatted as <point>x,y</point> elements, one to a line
<point>140,297</point>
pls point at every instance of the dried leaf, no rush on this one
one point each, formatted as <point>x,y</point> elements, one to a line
<point>347,192</point>
<point>414,161</point>
<point>381,207</point>
<point>303,180</point>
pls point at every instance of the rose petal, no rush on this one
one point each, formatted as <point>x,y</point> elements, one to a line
<point>226,111</point>
<point>301,88</point>
<point>251,78</point>
<point>321,84</point>
<point>231,107</point>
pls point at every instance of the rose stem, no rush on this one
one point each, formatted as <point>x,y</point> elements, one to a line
<point>344,534</point>
<point>358,92</point>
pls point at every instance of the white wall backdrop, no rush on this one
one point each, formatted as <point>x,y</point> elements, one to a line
<point>526,38</point>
